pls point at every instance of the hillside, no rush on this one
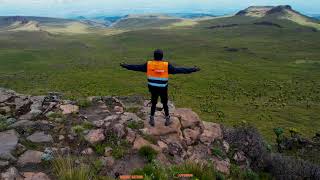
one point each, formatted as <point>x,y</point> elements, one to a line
<point>103,137</point>
<point>264,71</point>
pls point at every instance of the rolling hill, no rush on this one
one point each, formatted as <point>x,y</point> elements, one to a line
<point>262,69</point>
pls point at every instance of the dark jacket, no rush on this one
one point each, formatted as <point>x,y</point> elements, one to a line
<point>172,69</point>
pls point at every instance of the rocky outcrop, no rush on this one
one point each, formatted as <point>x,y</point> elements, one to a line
<point>48,125</point>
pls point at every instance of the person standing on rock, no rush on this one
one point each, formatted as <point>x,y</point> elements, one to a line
<point>158,72</point>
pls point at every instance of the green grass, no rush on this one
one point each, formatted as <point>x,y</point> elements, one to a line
<point>261,83</point>
<point>148,153</point>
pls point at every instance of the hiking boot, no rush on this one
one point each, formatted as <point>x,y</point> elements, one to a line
<point>151,121</point>
<point>168,121</point>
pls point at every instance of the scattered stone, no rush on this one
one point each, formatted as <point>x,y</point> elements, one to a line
<point>107,151</point>
<point>211,132</point>
<point>20,149</point>
<point>3,164</point>
<point>126,117</point>
<point>226,146</point>
<point>107,161</point>
<point>40,137</point>
<point>222,166</point>
<point>65,150</point>
<point>22,124</point>
<point>8,143</point>
<point>69,109</point>
<point>118,109</point>
<point>22,105</point>
<point>189,119</point>
<point>5,110</point>
<point>95,136</point>
<point>11,174</point>
<point>61,137</point>
<point>239,157</point>
<point>70,137</point>
<point>98,123</point>
<point>111,118</point>
<point>35,176</point>
<point>30,157</point>
<point>88,151</point>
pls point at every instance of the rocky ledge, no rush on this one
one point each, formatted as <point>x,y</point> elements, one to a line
<point>36,129</point>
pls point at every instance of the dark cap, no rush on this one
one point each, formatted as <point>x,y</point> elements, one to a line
<point>158,54</point>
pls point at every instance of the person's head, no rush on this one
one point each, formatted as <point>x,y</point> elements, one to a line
<point>158,55</point>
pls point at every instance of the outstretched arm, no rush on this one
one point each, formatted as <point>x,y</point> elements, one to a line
<point>140,67</point>
<point>181,70</point>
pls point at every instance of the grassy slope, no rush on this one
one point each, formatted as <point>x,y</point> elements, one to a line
<point>232,86</point>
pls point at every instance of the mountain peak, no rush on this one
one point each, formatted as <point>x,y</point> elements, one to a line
<point>260,11</point>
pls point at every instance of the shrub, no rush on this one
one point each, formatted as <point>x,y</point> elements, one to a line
<point>135,125</point>
<point>198,170</point>
<point>152,171</point>
<point>78,129</point>
<point>287,167</point>
<point>84,103</point>
<point>148,152</point>
<point>217,152</point>
<point>65,169</point>
<point>247,139</point>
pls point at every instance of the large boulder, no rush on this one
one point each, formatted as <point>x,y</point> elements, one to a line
<point>8,143</point>
<point>40,137</point>
<point>160,129</point>
<point>30,157</point>
<point>95,136</point>
<point>211,132</point>
<point>140,142</point>
<point>188,118</point>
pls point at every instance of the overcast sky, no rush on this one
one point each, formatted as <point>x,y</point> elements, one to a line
<point>69,8</point>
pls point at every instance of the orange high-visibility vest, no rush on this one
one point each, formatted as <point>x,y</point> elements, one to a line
<point>158,73</point>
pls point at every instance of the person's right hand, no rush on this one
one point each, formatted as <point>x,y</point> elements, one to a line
<point>197,68</point>
<point>122,64</point>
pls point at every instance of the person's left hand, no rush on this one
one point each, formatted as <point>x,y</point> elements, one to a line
<point>123,64</point>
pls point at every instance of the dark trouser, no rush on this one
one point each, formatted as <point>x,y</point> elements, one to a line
<point>155,93</point>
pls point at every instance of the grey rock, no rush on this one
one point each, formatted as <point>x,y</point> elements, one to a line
<point>3,164</point>
<point>30,157</point>
<point>22,105</point>
<point>22,124</point>
<point>6,95</point>
<point>95,136</point>
<point>11,174</point>
<point>40,137</point>
<point>8,141</point>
